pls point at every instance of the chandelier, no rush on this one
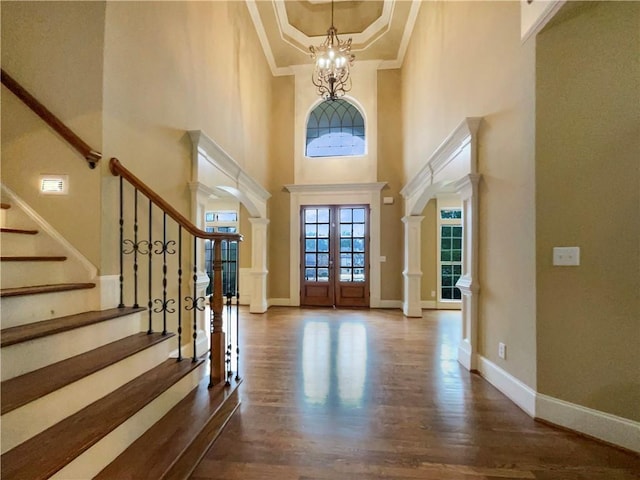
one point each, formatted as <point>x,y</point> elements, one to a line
<point>333,59</point>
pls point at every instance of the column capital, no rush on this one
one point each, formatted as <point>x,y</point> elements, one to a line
<point>467,186</point>
<point>259,221</point>
<point>415,219</point>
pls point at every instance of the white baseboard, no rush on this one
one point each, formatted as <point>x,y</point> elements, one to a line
<point>519,393</point>
<point>466,357</point>
<point>279,302</point>
<point>390,304</point>
<point>604,426</point>
<point>428,304</point>
<point>594,423</point>
<point>245,285</point>
<point>447,305</point>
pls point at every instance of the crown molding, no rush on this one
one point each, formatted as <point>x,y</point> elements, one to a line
<point>220,159</point>
<point>336,187</point>
<point>443,155</point>
<point>301,42</point>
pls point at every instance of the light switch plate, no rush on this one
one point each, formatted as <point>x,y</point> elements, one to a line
<point>566,256</point>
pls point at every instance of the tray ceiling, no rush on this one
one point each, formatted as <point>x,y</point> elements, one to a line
<point>380,29</point>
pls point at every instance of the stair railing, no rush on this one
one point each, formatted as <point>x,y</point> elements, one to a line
<point>90,155</point>
<point>225,256</point>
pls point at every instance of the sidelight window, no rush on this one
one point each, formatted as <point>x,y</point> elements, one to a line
<point>450,254</point>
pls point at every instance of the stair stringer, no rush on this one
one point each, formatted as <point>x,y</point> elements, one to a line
<point>31,355</point>
<point>92,461</point>
<point>27,421</point>
<point>49,241</point>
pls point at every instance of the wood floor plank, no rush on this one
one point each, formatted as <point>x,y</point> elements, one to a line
<point>26,388</point>
<point>46,453</point>
<point>22,333</point>
<point>38,289</point>
<point>5,206</point>
<point>199,416</point>
<point>366,395</point>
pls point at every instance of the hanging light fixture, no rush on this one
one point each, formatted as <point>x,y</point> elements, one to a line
<point>333,60</point>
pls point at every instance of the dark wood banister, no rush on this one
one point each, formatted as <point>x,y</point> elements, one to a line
<point>90,155</point>
<point>120,171</point>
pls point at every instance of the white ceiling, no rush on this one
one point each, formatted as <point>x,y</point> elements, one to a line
<point>380,29</point>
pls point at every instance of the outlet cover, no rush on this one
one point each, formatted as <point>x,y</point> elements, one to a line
<point>566,256</point>
<point>502,351</point>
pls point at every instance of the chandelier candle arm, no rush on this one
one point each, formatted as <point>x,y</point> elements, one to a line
<point>331,74</point>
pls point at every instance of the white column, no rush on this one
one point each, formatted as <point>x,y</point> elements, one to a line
<point>200,195</point>
<point>411,304</point>
<point>259,272</point>
<point>468,284</point>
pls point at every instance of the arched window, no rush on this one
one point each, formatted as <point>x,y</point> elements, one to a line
<point>335,129</point>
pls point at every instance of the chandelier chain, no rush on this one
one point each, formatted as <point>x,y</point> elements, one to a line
<point>331,74</point>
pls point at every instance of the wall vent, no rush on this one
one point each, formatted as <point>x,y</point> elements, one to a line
<point>54,184</point>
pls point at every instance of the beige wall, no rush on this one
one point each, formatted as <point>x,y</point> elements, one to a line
<point>55,51</point>
<point>587,195</point>
<point>281,172</point>
<point>390,171</point>
<point>466,59</point>
<point>429,251</point>
<point>177,66</point>
<point>244,227</point>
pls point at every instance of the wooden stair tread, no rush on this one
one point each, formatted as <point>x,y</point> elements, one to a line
<point>46,453</point>
<point>37,289</point>
<point>34,258</point>
<point>31,331</point>
<point>18,230</point>
<point>178,441</point>
<point>26,388</point>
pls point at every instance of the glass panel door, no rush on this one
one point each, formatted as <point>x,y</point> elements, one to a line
<point>334,256</point>
<point>316,261</point>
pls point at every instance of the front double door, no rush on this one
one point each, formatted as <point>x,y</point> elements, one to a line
<point>334,264</point>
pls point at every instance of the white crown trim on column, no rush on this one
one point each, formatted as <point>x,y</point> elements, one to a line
<point>219,158</point>
<point>443,155</point>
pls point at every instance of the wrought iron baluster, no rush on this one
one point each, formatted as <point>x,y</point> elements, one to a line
<point>195,306</point>
<point>164,248</point>
<point>237,311</point>
<point>227,353</point>
<point>150,303</point>
<point>164,274</point>
<point>195,281</point>
<point>179,293</point>
<point>121,279</point>
<point>135,249</point>
<point>226,278</point>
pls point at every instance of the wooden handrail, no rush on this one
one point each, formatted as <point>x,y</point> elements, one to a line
<point>90,155</point>
<point>120,171</point>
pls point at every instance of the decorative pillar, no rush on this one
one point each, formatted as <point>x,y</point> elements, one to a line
<point>200,196</point>
<point>412,305</point>
<point>468,284</point>
<point>258,302</point>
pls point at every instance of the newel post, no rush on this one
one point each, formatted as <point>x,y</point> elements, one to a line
<point>218,343</point>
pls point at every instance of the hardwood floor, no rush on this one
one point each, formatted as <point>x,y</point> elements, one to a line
<point>358,394</point>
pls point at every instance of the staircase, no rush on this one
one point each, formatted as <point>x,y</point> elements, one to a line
<point>86,391</point>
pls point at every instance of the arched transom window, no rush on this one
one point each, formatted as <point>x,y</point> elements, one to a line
<point>335,129</point>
